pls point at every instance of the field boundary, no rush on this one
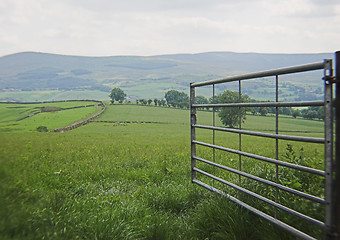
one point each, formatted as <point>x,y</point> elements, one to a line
<point>56,110</point>
<point>138,122</point>
<point>82,122</point>
<point>41,102</point>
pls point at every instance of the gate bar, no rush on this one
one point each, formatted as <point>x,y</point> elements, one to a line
<point>261,134</point>
<point>332,219</point>
<point>258,212</point>
<point>266,200</point>
<point>287,189</point>
<point>264,104</point>
<point>265,159</point>
<point>280,71</point>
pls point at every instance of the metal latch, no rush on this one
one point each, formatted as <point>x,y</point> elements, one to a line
<point>331,79</point>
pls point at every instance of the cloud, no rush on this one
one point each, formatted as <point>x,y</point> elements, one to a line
<point>106,27</point>
<point>146,5</point>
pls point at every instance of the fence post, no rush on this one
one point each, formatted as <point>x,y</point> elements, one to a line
<point>193,132</point>
<point>329,197</point>
<point>336,230</point>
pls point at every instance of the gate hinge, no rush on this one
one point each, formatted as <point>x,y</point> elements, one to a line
<point>331,79</point>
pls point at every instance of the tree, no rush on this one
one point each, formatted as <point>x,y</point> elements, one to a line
<point>230,115</point>
<point>253,110</point>
<point>312,114</point>
<point>176,98</point>
<point>296,113</point>
<point>263,111</point>
<point>149,101</point>
<point>320,111</point>
<point>117,94</point>
<point>285,111</point>
<point>143,101</point>
<point>201,100</point>
<point>156,101</point>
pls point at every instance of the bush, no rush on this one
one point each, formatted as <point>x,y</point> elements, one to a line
<point>42,129</point>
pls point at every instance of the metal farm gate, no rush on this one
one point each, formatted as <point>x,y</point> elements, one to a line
<point>213,173</point>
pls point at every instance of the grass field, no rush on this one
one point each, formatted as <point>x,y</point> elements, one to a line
<point>27,117</point>
<point>127,176</point>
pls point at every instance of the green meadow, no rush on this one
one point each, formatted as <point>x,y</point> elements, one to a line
<point>27,117</point>
<point>126,175</point>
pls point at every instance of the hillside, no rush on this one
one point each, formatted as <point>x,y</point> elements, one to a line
<point>31,76</point>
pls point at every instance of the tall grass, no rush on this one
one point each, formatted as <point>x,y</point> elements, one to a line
<point>117,181</point>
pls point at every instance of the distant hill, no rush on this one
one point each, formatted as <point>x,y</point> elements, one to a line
<point>60,76</point>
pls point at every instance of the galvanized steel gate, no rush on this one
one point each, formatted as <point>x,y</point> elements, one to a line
<point>198,173</point>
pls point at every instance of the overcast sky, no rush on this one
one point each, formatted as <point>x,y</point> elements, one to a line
<point>150,27</point>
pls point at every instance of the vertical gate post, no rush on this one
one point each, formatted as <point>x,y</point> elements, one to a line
<point>214,124</point>
<point>332,184</point>
<point>276,140</point>
<point>328,148</point>
<point>336,230</point>
<point>193,132</point>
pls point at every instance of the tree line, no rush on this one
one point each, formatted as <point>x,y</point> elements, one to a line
<point>172,98</point>
<point>229,116</point>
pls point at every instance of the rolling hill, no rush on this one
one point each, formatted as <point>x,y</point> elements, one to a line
<point>31,76</point>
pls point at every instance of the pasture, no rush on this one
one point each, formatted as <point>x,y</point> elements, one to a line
<point>127,176</point>
<point>27,117</point>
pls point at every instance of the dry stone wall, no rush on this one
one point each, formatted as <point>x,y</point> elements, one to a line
<point>82,122</point>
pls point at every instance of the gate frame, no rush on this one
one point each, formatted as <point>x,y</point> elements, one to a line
<point>332,194</point>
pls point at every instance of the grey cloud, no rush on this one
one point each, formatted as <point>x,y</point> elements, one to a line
<point>153,5</point>
<point>147,27</point>
<point>325,2</point>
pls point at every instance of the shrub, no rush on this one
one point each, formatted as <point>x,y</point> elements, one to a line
<point>42,129</point>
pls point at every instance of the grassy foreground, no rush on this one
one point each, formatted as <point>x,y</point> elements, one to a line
<point>119,180</point>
